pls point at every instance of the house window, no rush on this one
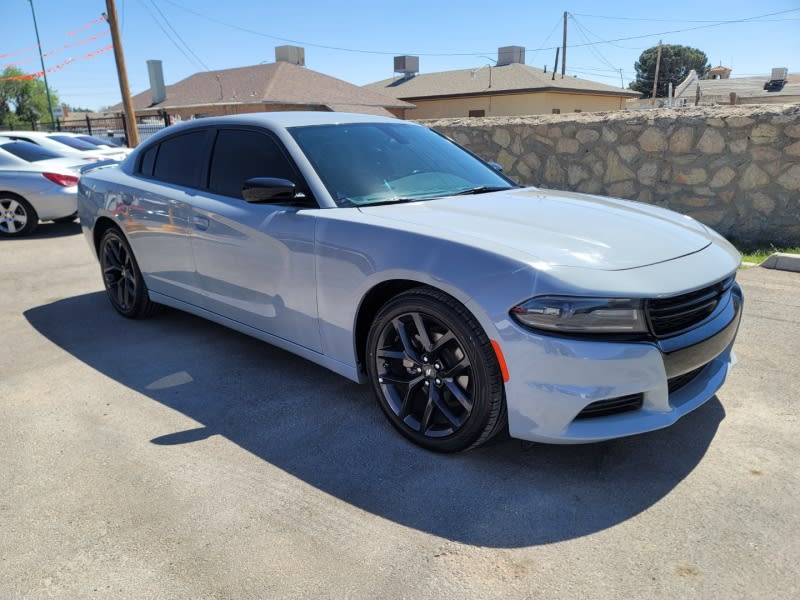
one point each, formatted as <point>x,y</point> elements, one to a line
<point>556,111</point>
<point>477,113</point>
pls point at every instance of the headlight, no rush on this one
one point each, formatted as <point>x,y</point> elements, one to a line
<point>582,315</point>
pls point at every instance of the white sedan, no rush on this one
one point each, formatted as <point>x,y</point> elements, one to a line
<point>68,144</point>
<point>35,184</point>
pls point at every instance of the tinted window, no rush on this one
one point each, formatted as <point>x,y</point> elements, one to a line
<point>180,159</point>
<point>29,152</point>
<point>96,141</point>
<point>148,160</point>
<point>73,142</point>
<point>240,155</point>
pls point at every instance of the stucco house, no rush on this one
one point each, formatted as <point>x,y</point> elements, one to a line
<point>508,88</point>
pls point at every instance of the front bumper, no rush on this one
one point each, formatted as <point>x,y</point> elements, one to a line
<point>554,379</point>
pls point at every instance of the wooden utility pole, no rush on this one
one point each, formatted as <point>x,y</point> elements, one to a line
<point>131,131</point>
<point>564,48</point>
<point>555,66</point>
<point>655,79</point>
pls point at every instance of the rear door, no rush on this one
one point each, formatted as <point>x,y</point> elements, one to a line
<point>157,212</point>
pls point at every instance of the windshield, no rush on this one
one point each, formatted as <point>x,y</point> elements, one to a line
<point>371,163</point>
<point>29,152</point>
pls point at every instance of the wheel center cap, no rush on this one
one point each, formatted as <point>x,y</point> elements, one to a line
<point>429,371</point>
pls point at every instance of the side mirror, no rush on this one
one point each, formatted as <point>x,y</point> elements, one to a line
<point>496,166</point>
<point>268,189</point>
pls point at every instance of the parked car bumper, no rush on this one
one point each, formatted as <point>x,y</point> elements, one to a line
<point>569,391</point>
<point>54,202</point>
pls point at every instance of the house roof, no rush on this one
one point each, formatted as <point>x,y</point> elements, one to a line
<point>273,83</point>
<point>512,78</point>
<point>745,87</point>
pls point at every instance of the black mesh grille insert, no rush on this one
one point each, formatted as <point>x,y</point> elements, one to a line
<point>678,382</point>
<point>670,316</point>
<point>612,406</point>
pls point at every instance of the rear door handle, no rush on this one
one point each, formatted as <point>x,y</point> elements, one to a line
<point>200,222</point>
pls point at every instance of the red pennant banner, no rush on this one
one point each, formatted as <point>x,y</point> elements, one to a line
<point>59,66</point>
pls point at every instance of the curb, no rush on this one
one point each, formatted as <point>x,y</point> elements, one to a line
<point>783,262</point>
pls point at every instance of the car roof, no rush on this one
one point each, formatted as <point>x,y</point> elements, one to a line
<point>293,119</point>
<point>25,133</point>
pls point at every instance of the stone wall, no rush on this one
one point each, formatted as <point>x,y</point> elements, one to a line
<point>736,169</point>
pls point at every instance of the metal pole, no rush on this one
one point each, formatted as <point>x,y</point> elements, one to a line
<point>564,50</point>
<point>41,58</point>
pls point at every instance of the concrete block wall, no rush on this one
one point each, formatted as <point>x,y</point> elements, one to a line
<point>736,169</point>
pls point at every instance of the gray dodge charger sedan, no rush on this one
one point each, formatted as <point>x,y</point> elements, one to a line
<point>392,256</point>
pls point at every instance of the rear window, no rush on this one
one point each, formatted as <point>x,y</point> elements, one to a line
<point>29,152</point>
<point>73,142</point>
<point>96,141</point>
<point>180,159</point>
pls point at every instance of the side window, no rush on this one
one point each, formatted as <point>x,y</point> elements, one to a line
<point>148,160</point>
<point>240,155</point>
<point>180,159</point>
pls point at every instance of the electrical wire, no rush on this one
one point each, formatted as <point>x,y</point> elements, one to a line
<point>196,61</point>
<point>177,35</point>
<point>473,53</point>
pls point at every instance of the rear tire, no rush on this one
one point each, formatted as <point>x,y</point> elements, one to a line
<point>122,278</point>
<point>434,372</point>
<point>17,216</point>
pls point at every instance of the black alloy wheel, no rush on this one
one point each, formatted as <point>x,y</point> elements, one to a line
<point>434,372</point>
<point>122,278</point>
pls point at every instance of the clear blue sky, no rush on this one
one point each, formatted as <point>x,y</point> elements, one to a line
<point>356,40</point>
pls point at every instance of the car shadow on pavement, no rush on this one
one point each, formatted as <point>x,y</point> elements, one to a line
<point>49,230</point>
<point>330,433</point>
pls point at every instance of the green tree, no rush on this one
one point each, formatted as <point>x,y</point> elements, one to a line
<point>23,100</point>
<point>676,62</point>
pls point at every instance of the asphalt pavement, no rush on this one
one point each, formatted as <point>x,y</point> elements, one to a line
<point>173,458</point>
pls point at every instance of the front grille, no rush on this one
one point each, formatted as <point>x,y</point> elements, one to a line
<point>676,383</point>
<point>621,404</point>
<point>670,316</point>
<point>612,406</point>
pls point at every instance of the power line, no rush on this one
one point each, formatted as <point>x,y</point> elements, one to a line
<point>608,17</point>
<point>177,35</point>
<point>196,61</point>
<point>583,32</point>
<point>473,53</point>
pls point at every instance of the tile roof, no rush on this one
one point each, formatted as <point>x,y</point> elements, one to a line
<point>273,83</point>
<point>512,78</point>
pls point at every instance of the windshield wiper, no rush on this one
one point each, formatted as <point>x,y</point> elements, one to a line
<point>390,201</point>
<point>482,189</point>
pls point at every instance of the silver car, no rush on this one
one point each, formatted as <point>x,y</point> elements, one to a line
<point>64,144</point>
<point>392,256</point>
<point>35,184</point>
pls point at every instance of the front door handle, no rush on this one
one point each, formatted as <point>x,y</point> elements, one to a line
<point>200,222</point>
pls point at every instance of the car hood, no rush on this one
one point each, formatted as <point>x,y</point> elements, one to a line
<point>546,227</point>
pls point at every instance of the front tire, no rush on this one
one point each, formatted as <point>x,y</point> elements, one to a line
<point>434,372</point>
<point>17,216</point>
<point>122,278</point>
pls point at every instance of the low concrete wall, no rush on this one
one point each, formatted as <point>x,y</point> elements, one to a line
<point>736,169</point>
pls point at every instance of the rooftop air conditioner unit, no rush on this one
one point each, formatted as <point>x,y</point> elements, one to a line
<point>407,65</point>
